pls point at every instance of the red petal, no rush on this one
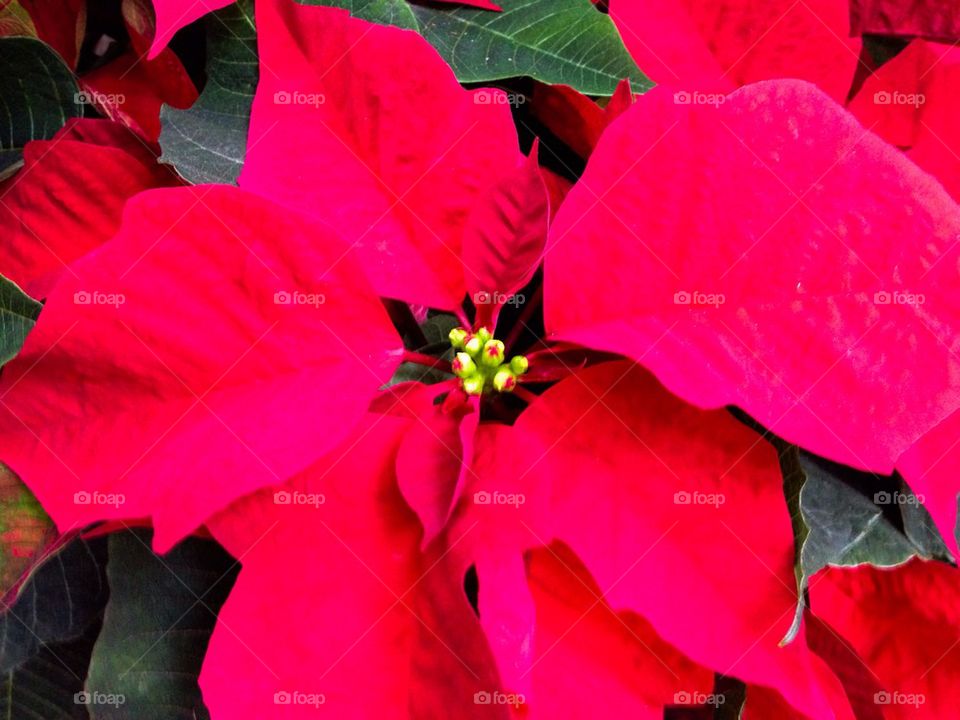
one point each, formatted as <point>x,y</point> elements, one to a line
<point>179,369</point>
<point>175,14</point>
<point>335,599</point>
<point>588,658</point>
<point>434,462</point>
<point>660,500</point>
<point>130,88</point>
<point>59,23</point>
<point>791,263</point>
<point>576,119</point>
<point>912,102</point>
<point>395,159</point>
<point>707,44</point>
<point>666,44</point>
<point>504,238</point>
<point>932,470</point>
<point>936,19</point>
<point>67,199</point>
<point>904,623</point>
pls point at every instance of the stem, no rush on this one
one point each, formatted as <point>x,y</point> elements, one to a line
<point>411,356</point>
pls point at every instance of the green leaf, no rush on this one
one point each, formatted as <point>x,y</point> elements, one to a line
<point>206,143</point>
<point>48,685</point>
<point>60,599</point>
<point>385,12</point>
<point>38,93</point>
<point>157,625</point>
<point>554,41</point>
<point>844,527</point>
<point>18,315</point>
<point>25,529</point>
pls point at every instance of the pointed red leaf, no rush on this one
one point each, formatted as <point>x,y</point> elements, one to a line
<point>172,15</point>
<point>768,253</point>
<point>68,198</point>
<point>904,623</point>
<point>335,601</point>
<point>395,159</point>
<point>194,358</point>
<point>660,500</point>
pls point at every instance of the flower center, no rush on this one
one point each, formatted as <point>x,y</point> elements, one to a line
<point>481,365</point>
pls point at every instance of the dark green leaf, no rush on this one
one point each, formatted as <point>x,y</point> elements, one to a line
<point>156,627</point>
<point>554,41</point>
<point>60,599</point>
<point>206,143</point>
<point>38,93</point>
<point>385,12</point>
<point>49,685</point>
<point>18,315</point>
<point>844,527</point>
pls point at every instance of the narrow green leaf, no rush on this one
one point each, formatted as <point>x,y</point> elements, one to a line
<point>156,627</point>
<point>554,41</point>
<point>38,93</point>
<point>206,143</point>
<point>18,315</point>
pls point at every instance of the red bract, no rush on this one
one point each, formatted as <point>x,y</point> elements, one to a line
<point>175,14</point>
<point>772,254</point>
<point>132,88</point>
<point>396,158</point>
<point>911,102</point>
<point>935,19</point>
<point>711,46</point>
<point>203,330</point>
<point>667,522</point>
<point>903,624</point>
<point>67,199</point>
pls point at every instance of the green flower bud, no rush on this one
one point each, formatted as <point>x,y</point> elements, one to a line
<point>492,353</point>
<point>473,384</point>
<point>519,364</point>
<point>473,345</point>
<point>504,380</point>
<point>463,365</point>
<point>458,337</point>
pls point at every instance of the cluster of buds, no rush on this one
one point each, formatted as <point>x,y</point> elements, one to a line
<point>480,362</point>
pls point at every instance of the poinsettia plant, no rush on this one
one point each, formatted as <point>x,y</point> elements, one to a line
<point>528,359</point>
